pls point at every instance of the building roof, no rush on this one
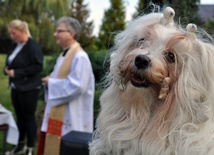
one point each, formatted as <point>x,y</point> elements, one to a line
<point>206,12</point>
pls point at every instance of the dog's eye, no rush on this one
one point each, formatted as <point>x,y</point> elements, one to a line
<point>141,42</point>
<point>170,56</point>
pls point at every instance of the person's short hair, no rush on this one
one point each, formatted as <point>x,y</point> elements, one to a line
<point>20,25</point>
<point>72,25</point>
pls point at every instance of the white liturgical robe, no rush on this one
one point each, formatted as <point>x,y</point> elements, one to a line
<point>76,91</point>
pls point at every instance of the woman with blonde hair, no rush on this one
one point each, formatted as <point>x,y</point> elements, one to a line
<point>24,63</point>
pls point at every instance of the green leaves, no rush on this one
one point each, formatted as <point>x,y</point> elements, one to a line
<point>79,10</point>
<point>113,20</point>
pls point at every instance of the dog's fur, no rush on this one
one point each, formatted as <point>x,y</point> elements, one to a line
<point>134,119</point>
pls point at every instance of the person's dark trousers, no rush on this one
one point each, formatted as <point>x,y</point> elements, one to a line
<point>25,104</point>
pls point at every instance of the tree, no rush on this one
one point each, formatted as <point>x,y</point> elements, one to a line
<point>209,27</point>
<point>189,9</point>
<point>40,15</point>
<point>141,5</point>
<point>114,20</point>
<point>186,10</point>
<point>144,7</point>
<point>80,11</point>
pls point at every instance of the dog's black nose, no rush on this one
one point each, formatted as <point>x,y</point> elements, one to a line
<point>142,61</point>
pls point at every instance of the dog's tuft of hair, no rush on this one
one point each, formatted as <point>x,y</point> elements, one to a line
<point>159,96</point>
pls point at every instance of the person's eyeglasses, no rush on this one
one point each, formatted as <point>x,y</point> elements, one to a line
<point>59,31</point>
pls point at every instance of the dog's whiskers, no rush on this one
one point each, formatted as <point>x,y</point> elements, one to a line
<point>122,73</point>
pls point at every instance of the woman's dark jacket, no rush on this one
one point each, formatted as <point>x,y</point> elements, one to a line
<point>27,66</point>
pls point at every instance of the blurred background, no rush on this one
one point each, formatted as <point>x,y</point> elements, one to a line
<point>101,21</point>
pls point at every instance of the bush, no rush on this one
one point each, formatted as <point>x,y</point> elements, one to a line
<point>97,60</point>
<point>210,27</point>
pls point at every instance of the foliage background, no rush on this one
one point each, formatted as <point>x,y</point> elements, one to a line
<point>42,14</point>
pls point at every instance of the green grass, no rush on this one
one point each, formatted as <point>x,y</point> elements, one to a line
<point>4,93</point>
<point>4,88</point>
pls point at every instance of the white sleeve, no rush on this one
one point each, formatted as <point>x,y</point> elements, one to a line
<point>62,91</point>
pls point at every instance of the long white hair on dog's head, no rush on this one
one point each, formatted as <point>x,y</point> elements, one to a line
<point>133,119</point>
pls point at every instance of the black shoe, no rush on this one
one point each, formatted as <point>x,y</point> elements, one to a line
<point>29,151</point>
<point>18,149</point>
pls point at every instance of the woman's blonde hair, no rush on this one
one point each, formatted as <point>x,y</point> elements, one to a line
<point>20,25</point>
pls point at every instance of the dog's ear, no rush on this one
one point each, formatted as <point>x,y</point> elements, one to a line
<point>193,97</point>
<point>195,84</point>
<point>200,110</point>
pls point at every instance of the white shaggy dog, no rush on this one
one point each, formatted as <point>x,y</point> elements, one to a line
<point>159,98</point>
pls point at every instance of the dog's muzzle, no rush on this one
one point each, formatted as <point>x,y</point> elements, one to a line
<point>142,62</point>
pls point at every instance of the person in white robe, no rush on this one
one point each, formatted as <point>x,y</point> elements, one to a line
<point>77,89</point>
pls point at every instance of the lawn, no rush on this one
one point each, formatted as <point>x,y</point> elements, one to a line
<point>4,93</point>
<point>4,87</point>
